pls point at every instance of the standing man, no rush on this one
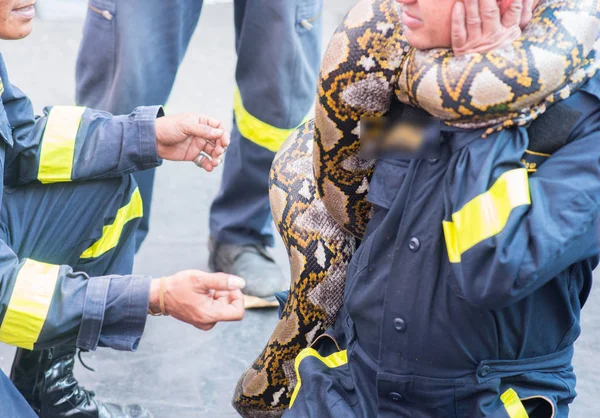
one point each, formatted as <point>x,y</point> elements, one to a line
<point>129,56</point>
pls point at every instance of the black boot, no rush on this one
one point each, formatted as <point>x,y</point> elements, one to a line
<point>45,378</point>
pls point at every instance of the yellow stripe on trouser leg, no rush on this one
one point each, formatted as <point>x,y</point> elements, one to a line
<point>513,405</point>
<point>112,233</point>
<point>257,131</point>
<point>334,360</point>
<point>29,304</point>
<point>487,214</point>
<point>58,144</point>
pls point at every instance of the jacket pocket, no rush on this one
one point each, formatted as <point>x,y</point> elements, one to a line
<point>539,407</point>
<point>324,380</point>
<point>513,406</point>
<point>307,13</point>
<point>528,395</point>
<point>102,8</point>
<point>102,11</point>
<point>541,393</point>
<point>386,181</point>
<point>97,58</point>
<point>535,406</point>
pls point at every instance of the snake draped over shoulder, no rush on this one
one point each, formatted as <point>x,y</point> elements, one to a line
<point>318,183</point>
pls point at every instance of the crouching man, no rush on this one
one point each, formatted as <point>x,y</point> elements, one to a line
<point>69,210</point>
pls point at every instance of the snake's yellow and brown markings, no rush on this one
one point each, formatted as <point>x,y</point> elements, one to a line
<point>318,184</point>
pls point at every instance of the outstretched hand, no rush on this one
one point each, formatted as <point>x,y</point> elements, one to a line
<point>483,25</point>
<point>200,299</point>
<point>182,137</point>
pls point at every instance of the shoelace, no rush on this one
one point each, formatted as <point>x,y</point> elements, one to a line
<point>81,360</point>
<point>89,395</point>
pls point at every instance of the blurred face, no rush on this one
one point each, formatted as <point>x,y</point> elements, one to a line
<point>16,18</point>
<point>427,23</point>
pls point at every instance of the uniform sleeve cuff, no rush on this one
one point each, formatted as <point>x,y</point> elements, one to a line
<point>115,312</point>
<point>94,306</point>
<point>146,116</point>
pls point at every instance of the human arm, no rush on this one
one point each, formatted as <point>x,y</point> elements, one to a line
<point>509,232</point>
<point>43,305</point>
<point>71,143</point>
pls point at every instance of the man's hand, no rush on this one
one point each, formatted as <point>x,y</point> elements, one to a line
<point>200,299</point>
<point>480,26</point>
<point>182,137</point>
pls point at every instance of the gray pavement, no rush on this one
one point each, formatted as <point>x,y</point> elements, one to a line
<point>178,370</point>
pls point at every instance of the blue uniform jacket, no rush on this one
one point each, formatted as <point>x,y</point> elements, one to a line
<point>464,297</point>
<point>43,305</point>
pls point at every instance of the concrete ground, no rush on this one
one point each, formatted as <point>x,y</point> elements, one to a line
<point>178,370</point>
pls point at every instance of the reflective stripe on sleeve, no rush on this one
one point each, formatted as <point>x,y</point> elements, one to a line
<point>58,144</point>
<point>512,404</point>
<point>257,131</point>
<point>334,360</point>
<point>112,233</point>
<point>487,214</point>
<point>29,304</point>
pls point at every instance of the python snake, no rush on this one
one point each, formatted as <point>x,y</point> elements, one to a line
<point>318,183</point>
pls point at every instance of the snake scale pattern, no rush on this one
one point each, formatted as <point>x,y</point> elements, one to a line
<point>318,183</point>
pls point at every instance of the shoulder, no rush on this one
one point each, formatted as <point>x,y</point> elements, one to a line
<point>587,102</point>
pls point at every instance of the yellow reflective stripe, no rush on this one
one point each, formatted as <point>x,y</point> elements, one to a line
<point>513,405</point>
<point>58,144</point>
<point>29,304</point>
<point>486,215</point>
<point>257,131</point>
<point>112,233</point>
<point>334,360</point>
<point>539,154</point>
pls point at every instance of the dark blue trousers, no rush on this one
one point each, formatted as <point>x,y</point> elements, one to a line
<point>132,59</point>
<point>89,226</point>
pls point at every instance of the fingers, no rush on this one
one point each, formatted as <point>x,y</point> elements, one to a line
<point>473,20</point>
<point>480,26</point>
<point>219,281</point>
<point>228,306</point>
<point>213,150</point>
<point>512,16</point>
<point>231,309</point>
<point>204,131</point>
<point>228,296</point>
<point>206,327</point>
<point>224,140</point>
<point>208,164</point>
<point>204,299</point>
<point>210,121</point>
<point>207,134</point>
<point>490,16</point>
<point>236,298</point>
<point>527,13</point>
<point>459,26</point>
<point>217,133</point>
<point>182,138</point>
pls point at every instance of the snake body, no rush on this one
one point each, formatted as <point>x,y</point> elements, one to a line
<point>318,183</point>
